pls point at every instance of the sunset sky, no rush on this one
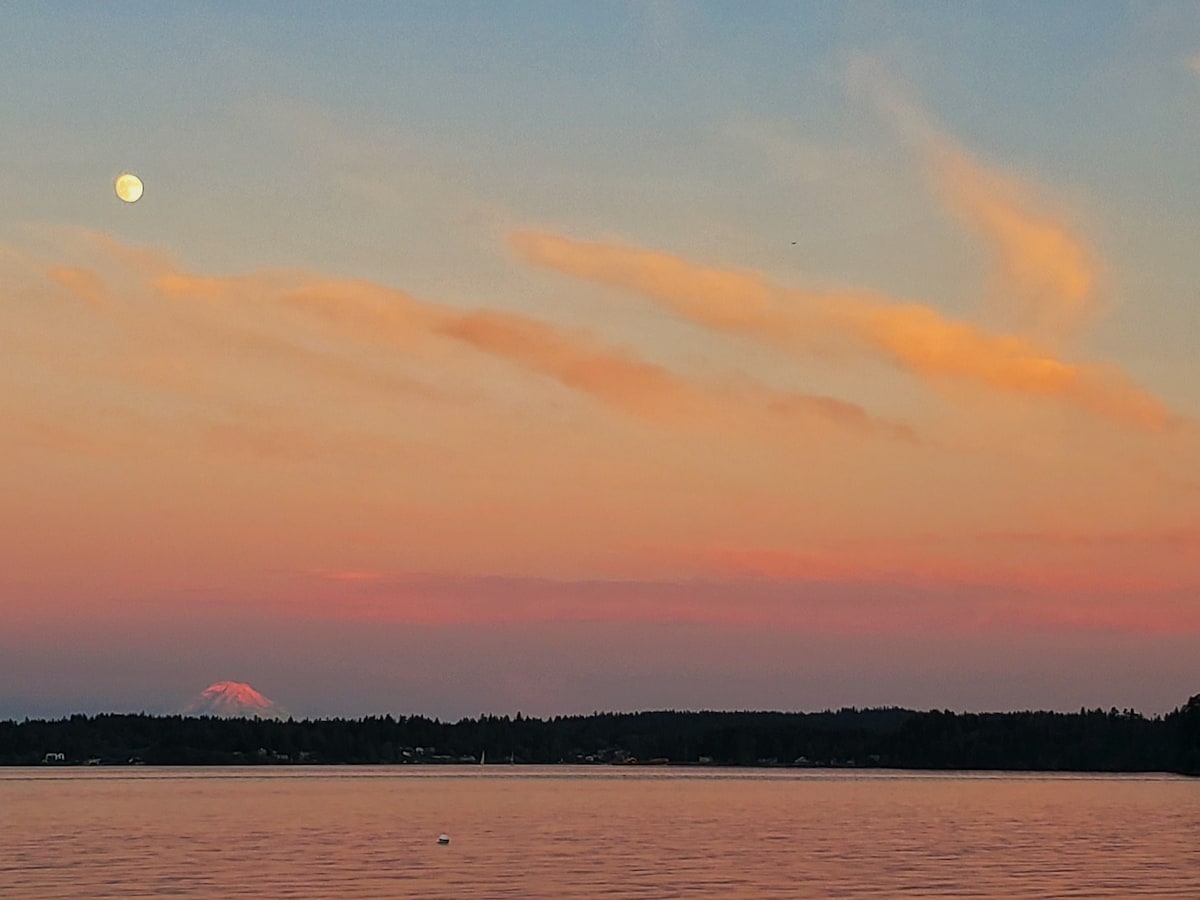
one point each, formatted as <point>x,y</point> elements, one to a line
<point>559,357</point>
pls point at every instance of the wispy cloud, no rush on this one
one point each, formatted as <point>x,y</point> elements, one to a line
<point>582,363</point>
<point>578,361</point>
<point>792,597</point>
<point>1040,259</point>
<point>1047,271</point>
<point>351,429</point>
<point>85,284</point>
<point>914,337</point>
<point>316,323</point>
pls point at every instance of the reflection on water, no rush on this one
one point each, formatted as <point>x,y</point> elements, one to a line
<point>565,832</point>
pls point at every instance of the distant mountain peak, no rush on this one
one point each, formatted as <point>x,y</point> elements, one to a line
<point>231,700</point>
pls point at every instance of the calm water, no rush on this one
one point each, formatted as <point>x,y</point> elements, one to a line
<point>563,832</point>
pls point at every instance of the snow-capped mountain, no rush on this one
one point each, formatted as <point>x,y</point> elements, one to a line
<point>233,699</point>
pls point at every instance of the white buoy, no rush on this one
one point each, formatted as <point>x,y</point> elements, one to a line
<point>443,838</point>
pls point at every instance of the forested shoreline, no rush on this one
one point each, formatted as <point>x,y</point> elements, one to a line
<point>1087,741</point>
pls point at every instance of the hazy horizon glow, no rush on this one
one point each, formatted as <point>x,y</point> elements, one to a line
<point>656,356</point>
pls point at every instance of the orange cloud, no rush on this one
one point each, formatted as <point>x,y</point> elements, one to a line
<point>914,337</point>
<point>851,415</point>
<point>85,284</point>
<point>1039,258</point>
<point>576,361</point>
<point>273,305</point>
<point>921,340</point>
<point>1045,267</point>
<point>622,380</point>
<point>722,299</point>
<point>355,309</point>
<point>364,311</point>
<point>288,420</point>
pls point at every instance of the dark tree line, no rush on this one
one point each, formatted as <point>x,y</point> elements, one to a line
<point>1090,740</point>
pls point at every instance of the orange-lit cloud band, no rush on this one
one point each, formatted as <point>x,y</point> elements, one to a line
<point>914,337</point>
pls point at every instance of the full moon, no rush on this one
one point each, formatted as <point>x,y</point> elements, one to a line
<point>129,187</point>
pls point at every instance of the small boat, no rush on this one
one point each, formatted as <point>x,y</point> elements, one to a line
<point>443,838</point>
